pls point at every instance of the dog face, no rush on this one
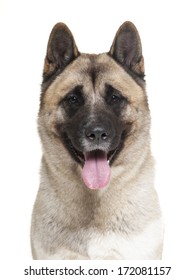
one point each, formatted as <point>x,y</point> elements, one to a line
<point>93,106</point>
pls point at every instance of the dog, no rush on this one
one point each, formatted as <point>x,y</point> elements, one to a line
<point>96,198</point>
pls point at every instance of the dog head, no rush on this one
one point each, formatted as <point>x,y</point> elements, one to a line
<point>92,106</point>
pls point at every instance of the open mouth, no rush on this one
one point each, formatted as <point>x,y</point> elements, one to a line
<point>96,163</point>
<point>96,169</point>
<point>80,157</point>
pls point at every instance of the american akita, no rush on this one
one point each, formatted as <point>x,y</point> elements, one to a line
<point>96,198</point>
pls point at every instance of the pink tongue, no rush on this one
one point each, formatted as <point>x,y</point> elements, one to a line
<point>96,170</point>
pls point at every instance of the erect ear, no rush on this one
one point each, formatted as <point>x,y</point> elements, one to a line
<point>61,50</point>
<point>126,49</point>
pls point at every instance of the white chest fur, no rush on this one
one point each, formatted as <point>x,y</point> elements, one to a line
<point>143,246</point>
<point>137,247</point>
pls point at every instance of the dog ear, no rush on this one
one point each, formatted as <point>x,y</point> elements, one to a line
<point>61,50</point>
<point>126,49</point>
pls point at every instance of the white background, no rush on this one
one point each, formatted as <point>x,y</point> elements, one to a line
<point>167,32</point>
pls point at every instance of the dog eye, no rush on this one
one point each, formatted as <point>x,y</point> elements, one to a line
<point>72,100</point>
<point>113,96</point>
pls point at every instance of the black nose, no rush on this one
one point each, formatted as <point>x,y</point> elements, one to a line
<point>96,134</point>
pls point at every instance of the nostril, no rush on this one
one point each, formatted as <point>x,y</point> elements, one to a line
<point>104,136</point>
<point>91,136</point>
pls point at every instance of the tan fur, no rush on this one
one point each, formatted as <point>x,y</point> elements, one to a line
<point>67,216</point>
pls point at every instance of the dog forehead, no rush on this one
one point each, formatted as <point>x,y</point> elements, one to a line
<point>92,72</point>
<point>94,69</point>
